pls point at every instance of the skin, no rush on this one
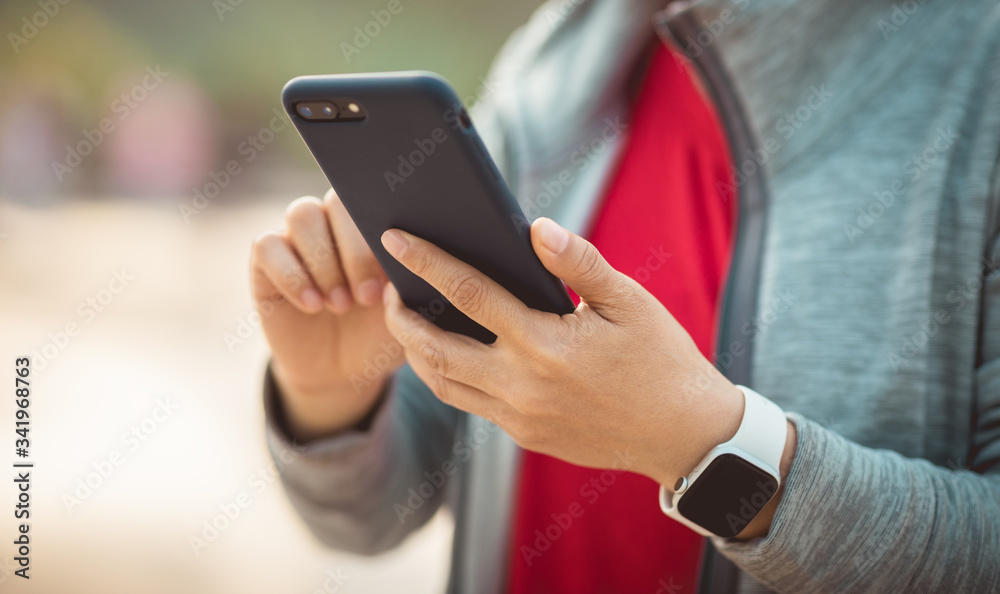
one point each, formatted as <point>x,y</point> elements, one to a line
<point>617,379</point>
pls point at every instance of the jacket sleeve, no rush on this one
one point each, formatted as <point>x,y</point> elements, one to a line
<point>365,490</point>
<point>854,519</point>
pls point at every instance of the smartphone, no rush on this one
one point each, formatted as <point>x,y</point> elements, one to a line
<point>401,152</point>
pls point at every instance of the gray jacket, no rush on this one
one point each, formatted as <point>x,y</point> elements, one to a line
<point>863,296</point>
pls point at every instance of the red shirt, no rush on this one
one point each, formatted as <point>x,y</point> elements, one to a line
<point>663,222</point>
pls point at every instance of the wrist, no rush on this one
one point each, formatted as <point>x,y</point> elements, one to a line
<point>719,414</point>
<point>733,491</point>
<point>313,411</point>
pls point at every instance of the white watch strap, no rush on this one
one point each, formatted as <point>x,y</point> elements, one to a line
<point>762,434</point>
<point>763,430</point>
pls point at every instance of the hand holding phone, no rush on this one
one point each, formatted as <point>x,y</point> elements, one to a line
<point>401,152</point>
<point>403,149</point>
<point>318,292</point>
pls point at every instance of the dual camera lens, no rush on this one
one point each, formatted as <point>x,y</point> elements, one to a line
<point>326,110</point>
<point>340,110</point>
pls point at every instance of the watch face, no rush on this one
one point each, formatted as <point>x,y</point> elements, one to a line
<point>727,495</point>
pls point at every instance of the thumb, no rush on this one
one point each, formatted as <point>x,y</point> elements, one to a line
<point>578,263</point>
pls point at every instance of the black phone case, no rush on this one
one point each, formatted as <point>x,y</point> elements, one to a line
<point>416,163</point>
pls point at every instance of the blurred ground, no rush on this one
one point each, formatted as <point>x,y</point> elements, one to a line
<point>151,377</point>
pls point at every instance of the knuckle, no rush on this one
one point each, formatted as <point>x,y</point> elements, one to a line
<point>589,264</point>
<point>468,292</point>
<point>419,261</point>
<point>546,350</point>
<point>435,357</point>
<point>552,358</point>
<point>586,329</point>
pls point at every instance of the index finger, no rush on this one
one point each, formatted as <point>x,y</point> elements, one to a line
<point>472,292</point>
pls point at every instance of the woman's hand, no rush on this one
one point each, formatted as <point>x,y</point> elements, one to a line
<point>618,379</point>
<point>318,289</point>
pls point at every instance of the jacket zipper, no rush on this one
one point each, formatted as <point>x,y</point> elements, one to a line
<point>739,302</point>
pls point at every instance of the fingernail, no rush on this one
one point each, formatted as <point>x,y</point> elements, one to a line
<point>368,292</point>
<point>312,300</point>
<point>340,299</point>
<point>394,243</point>
<point>554,238</point>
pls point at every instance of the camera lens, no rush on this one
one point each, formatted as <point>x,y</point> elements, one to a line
<point>305,111</point>
<point>327,110</point>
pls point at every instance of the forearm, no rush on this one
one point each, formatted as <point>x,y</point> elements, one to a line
<point>347,487</point>
<point>311,413</point>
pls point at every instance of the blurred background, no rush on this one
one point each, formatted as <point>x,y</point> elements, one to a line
<point>124,244</point>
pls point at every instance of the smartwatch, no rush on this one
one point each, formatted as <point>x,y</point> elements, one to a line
<point>729,487</point>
